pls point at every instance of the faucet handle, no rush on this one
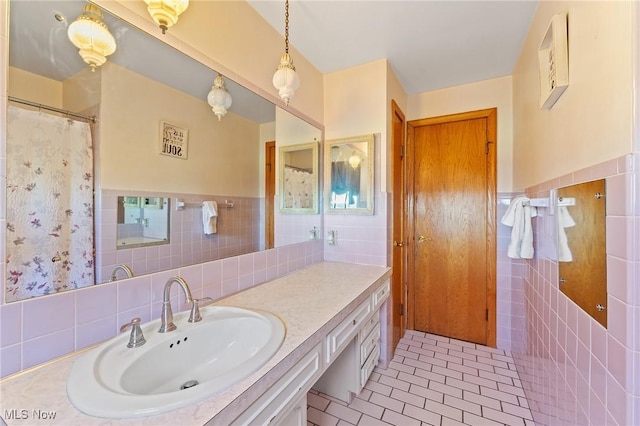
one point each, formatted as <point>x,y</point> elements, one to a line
<point>195,316</point>
<point>136,339</point>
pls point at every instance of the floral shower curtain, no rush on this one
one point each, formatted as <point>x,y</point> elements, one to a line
<point>298,186</point>
<point>49,232</point>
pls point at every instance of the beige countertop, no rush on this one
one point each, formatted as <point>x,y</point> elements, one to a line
<point>311,302</point>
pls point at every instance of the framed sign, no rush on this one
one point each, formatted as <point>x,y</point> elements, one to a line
<point>553,61</point>
<point>174,140</point>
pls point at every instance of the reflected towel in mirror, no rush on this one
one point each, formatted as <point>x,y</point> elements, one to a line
<point>564,221</point>
<point>210,217</point>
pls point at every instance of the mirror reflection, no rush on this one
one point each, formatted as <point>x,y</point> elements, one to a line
<point>143,84</point>
<point>582,258</point>
<point>349,175</point>
<point>299,178</point>
<point>142,221</point>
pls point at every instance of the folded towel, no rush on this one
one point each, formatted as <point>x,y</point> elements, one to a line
<point>564,221</point>
<point>518,216</point>
<point>210,217</point>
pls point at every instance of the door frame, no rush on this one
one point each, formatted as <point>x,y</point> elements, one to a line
<point>399,185</point>
<point>491,210</point>
<point>269,192</point>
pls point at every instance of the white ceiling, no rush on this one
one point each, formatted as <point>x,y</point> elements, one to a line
<point>429,44</point>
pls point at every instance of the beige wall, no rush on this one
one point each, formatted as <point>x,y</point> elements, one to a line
<point>232,38</point>
<point>130,140</point>
<point>34,88</point>
<point>355,104</point>
<point>494,93</point>
<point>591,122</point>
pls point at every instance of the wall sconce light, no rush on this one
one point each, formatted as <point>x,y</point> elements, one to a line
<point>354,160</point>
<point>165,12</point>
<point>286,79</point>
<point>91,36</point>
<point>219,99</point>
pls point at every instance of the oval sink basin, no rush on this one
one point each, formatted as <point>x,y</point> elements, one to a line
<point>174,369</point>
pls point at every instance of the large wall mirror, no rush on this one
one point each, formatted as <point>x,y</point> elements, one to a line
<point>582,257</point>
<point>349,170</point>
<point>142,85</point>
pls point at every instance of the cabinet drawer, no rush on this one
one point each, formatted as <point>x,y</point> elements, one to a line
<point>340,336</point>
<point>369,325</point>
<point>369,343</point>
<point>369,365</point>
<point>381,294</point>
<point>297,381</point>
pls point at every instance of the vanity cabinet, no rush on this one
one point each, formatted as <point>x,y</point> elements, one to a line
<point>285,403</point>
<point>353,349</point>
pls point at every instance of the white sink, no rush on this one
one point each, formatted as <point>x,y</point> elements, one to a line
<point>228,345</point>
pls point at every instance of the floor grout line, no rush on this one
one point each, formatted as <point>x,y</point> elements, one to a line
<point>401,375</point>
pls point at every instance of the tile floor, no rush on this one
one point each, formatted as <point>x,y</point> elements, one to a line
<point>432,380</point>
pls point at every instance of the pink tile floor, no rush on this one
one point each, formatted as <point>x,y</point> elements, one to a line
<point>432,380</point>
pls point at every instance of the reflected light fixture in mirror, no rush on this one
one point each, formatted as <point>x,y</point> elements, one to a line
<point>91,36</point>
<point>219,99</point>
<point>286,79</point>
<point>165,12</point>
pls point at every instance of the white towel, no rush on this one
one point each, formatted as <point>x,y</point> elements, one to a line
<point>210,217</point>
<point>564,221</point>
<point>518,216</point>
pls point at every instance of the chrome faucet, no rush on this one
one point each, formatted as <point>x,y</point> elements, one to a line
<point>123,267</point>
<point>166,317</point>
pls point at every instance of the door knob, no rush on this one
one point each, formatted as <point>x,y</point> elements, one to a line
<point>422,239</point>
<point>398,244</point>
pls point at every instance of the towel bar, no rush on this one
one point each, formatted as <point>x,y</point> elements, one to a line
<point>181,204</point>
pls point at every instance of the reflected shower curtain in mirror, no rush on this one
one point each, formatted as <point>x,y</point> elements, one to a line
<point>49,235</point>
<point>298,186</point>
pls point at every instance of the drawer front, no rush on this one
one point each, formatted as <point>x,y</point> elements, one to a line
<point>369,325</point>
<point>297,381</point>
<point>381,294</point>
<point>368,366</point>
<point>369,343</point>
<point>340,336</point>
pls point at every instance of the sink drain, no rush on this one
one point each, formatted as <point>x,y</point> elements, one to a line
<point>189,384</point>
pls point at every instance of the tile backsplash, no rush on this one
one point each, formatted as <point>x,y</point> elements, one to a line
<point>37,330</point>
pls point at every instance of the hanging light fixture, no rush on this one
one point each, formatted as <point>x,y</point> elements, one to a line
<point>219,99</point>
<point>286,79</point>
<point>91,36</point>
<point>165,12</point>
<point>354,160</point>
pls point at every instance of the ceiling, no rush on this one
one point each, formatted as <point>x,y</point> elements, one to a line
<point>429,44</point>
<point>38,43</point>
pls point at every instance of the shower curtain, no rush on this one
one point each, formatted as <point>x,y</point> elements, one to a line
<point>49,235</point>
<point>298,185</point>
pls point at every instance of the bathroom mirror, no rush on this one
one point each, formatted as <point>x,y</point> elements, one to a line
<point>137,89</point>
<point>349,175</point>
<point>142,221</point>
<point>299,179</point>
<point>582,257</point>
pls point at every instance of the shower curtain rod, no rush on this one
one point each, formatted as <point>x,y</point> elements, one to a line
<point>91,118</point>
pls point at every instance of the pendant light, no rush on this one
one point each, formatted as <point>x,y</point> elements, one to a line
<point>354,160</point>
<point>165,12</point>
<point>219,99</point>
<point>286,79</point>
<point>91,36</point>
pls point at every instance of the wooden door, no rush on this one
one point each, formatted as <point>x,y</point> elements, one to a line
<point>269,192</point>
<point>452,220</point>
<point>398,279</point>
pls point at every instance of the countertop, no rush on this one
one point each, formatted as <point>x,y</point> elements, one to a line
<point>311,302</point>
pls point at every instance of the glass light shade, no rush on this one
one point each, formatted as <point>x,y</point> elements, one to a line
<point>286,79</point>
<point>219,99</point>
<point>354,161</point>
<point>92,37</point>
<point>165,12</point>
